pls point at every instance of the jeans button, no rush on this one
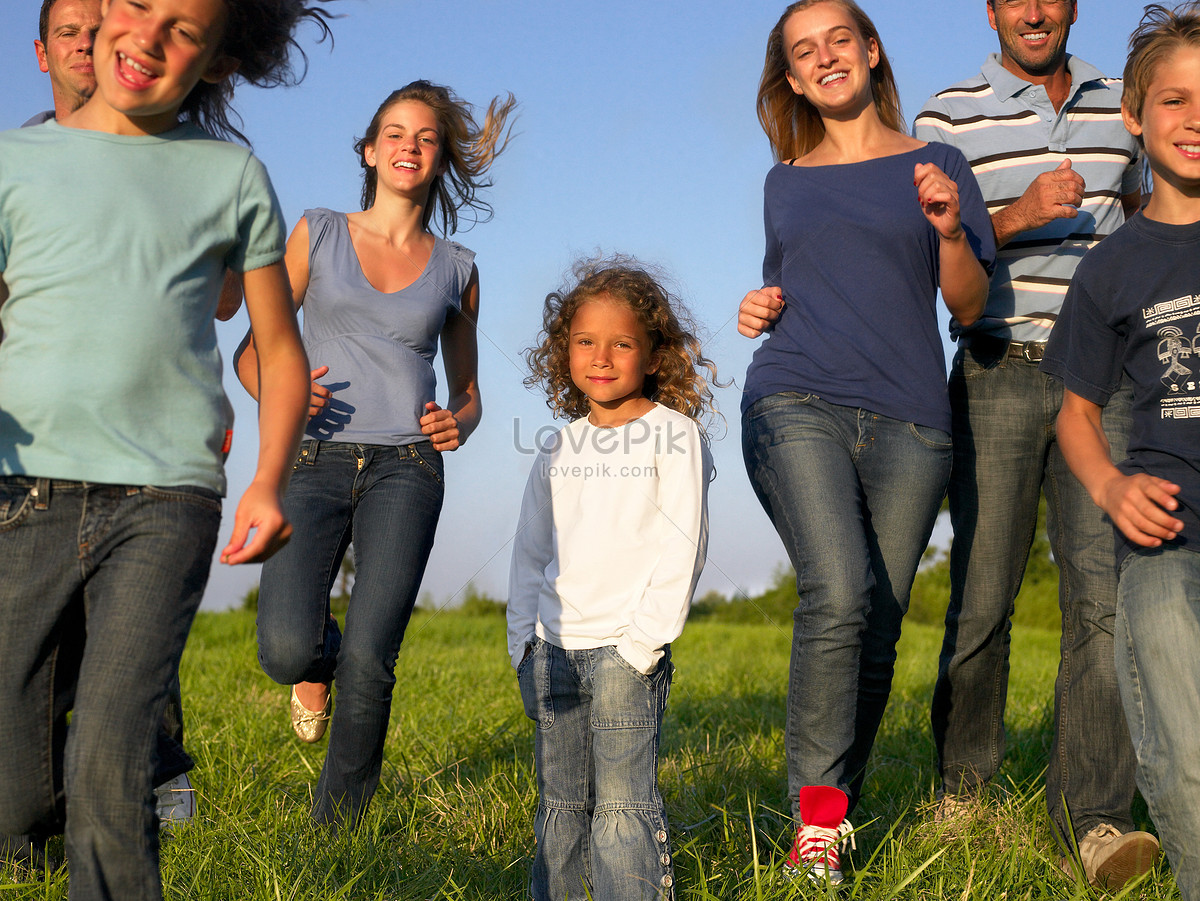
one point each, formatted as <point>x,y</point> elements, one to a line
<point>666,859</point>
<point>661,835</point>
<point>666,881</point>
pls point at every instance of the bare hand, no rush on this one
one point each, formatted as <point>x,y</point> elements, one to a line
<point>759,311</point>
<point>1139,506</point>
<point>938,195</point>
<point>441,427</point>
<point>260,510</point>
<point>319,399</point>
<point>1052,195</point>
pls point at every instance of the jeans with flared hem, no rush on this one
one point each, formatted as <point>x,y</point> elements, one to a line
<point>386,500</point>
<point>600,826</point>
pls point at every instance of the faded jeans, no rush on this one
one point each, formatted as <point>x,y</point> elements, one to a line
<point>100,586</point>
<point>600,826</point>
<point>1005,455</point>
<point>386,500</point>
<point>854,496</point>
<point>1158,669</point>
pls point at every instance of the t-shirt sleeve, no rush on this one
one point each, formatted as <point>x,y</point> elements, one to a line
<point>772,269</point>
<point>977,223</point>
<point>933,123</point>
<point>259,221</point>
<point>1084,352</point>
<point>1131,179</point>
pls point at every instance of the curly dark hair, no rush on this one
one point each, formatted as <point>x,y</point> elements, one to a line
<point>681,381</point>
<point>260,35</point>
<point>468,151</point>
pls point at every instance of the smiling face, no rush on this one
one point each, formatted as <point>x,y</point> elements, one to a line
<point>1033,35</point>
<point>406,155</point>
<point>829,61</point>
<point>66,53</point>
<point>1169,123</point>
<point>151,53</point>
<point>610,357</point>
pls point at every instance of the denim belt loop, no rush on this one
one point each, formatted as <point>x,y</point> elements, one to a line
<point>308,451</point>
<point>41,494</point>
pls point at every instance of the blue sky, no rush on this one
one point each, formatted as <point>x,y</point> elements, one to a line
<point>637,134</point>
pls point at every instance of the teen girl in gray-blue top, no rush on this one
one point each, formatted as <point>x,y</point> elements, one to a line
<point>845,416</point>
<point>379,291</point>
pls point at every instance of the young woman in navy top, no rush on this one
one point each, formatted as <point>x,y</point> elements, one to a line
<point>845,416</point>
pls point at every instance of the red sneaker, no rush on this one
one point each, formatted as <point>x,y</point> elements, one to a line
<point>823,832</point>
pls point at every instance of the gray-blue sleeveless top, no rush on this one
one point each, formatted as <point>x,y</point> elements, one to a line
<point>379,347</point>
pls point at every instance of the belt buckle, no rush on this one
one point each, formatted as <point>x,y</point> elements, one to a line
<point>1033,351</point>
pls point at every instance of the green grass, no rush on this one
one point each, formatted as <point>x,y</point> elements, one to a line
<point>452,818</point>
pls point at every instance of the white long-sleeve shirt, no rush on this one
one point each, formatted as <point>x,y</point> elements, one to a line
<point>612,538</point>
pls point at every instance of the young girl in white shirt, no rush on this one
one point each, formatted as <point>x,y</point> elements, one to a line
<point>612,539</point>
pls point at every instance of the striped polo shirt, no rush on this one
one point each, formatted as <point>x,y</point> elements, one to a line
<point>1010,133</point>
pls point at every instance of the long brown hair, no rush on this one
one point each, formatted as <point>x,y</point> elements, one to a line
<point>467,150</point>
<point>792,124</point>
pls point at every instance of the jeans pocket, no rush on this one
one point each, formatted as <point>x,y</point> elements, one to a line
<point>187,494</point>
<point>972,363</point>
<point>533,649</point>
<point>16,500</point>
<point>930,437</point>
<point>782,399</point>
<point>424,454</point>
<point>533,679</point>
<point>647,679</point>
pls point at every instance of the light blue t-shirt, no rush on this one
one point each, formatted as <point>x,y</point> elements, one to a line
<point>379,347</point>
<point>113,249</point>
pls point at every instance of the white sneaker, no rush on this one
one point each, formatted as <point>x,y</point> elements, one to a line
<point>176,802</point>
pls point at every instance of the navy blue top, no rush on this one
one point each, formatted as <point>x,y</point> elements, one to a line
<point>858,264</point>
<point>1134,306</point>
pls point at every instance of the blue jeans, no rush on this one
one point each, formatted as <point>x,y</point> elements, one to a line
<point>1158,670</point>
<point>386,500</point>
<point>854,496</point>
<point>100,586</point>
<point>1005,455</point>
<point>600,825</point>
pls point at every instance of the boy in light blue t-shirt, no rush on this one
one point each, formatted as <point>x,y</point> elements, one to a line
<point>116,226</point>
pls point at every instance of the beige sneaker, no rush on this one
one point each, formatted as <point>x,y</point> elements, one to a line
<point>1111,858</point>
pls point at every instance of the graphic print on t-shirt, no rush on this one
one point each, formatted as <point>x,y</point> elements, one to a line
<point>1177,324</point>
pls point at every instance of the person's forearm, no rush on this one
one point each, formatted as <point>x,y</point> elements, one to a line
<point>964,282</point>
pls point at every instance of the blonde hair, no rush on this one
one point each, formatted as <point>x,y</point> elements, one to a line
<point>1161,32</point>
<point>468,151</point>
<point>792,124</point>
<point>681,381</point>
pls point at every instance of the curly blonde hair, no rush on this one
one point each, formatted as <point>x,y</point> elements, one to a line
<point>468,150</point>
<point>681,381</point>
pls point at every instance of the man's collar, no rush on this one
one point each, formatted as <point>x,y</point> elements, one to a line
<point>1006,85</point>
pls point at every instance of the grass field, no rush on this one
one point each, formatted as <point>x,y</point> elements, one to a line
<point>452,818</point>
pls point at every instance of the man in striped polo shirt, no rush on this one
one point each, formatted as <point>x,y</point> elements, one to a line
<point>1042,131</point>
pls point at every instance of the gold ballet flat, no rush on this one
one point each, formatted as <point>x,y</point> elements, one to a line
<point>309,725</point>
